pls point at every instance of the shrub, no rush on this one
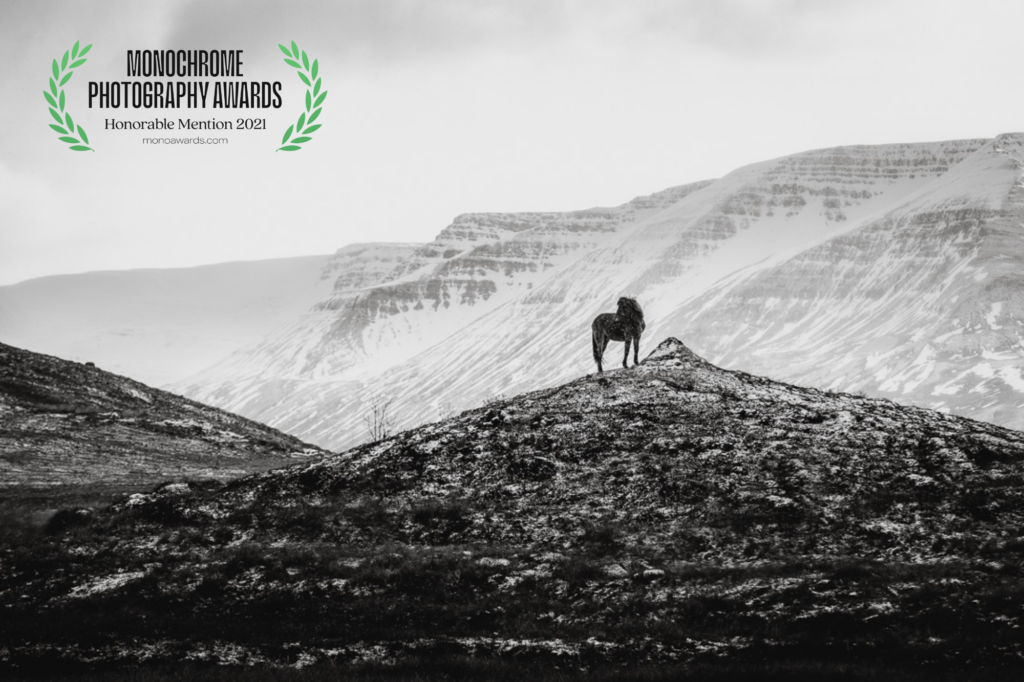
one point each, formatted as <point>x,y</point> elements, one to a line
<point>604,537</point>
<point>368,513</point>
<point>380,417</point>
<point>66,519</point>
<point>434,513</point>
<point>578,571</point>
<point>163,510</point>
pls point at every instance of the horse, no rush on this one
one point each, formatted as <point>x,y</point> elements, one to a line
<point>626,324</point>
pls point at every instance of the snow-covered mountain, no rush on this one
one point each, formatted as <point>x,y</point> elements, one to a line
<point>336,352</point>
<point>161,325</point>
<point>890,269</point>
<point>923,303</point>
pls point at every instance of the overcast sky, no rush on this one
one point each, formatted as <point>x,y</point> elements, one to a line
<point>442,107</point>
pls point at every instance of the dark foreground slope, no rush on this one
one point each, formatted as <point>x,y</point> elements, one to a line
<point>672,514</point>
<point>66,423</point>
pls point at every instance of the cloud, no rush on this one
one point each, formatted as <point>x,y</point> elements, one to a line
<point>398,30</point>
<point>32,28</point>
<point>36,221</point>
<point>747,27</point>
<point>34,32</point>
<point>377,30</point>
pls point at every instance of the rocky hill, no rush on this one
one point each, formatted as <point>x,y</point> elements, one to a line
<point>675,513</point>
<point>885,269</point>
<point>65,423</point>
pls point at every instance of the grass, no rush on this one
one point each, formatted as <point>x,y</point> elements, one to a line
<point>403,593</point>
<point>465,669</point>
<point>26,511</point>
<point>800,618</point>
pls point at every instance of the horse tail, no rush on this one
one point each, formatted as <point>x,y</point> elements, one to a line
<point>599,340</point>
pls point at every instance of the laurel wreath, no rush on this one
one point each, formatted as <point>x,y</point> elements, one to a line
<point>309,75</point>
<point>65,125</point>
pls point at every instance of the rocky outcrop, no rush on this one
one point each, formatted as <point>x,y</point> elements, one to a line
<point>360,266</point>
<point>700,446</point>
<point>672,513</point>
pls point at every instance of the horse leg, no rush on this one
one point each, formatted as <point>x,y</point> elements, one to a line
<point>598,341</point>
<point>636,350</point>
<point>625,357</point>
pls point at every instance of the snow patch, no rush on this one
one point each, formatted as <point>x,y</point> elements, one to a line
<point>136,393</point>
<point>994,311</point>
<point>104,584</point>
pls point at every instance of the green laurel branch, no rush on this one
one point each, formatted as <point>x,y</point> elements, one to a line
<point>310,75</point>
<point>65,125</point>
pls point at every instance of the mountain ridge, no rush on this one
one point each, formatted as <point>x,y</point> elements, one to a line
<point>974,236</point>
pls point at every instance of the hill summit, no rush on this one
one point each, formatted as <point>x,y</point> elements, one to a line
<point>682,455</point>
<point>672,512</point>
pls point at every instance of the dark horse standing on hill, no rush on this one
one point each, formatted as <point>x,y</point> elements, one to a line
<point>627,324</point>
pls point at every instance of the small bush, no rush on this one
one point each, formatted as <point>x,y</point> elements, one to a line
<point>66,519</point>
<point>603,538</point>
<point>380,417</point>
<point>368,513</point>
<point>19,527</point>
<point>441,521</point>
<point>302,519</point>
<point>578,571</point>
<point>164,511</point>
<point>435,513</point>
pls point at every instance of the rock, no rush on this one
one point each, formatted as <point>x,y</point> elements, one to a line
<point>616,571</point>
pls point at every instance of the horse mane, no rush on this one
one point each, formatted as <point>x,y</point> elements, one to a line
<point>630,309</point>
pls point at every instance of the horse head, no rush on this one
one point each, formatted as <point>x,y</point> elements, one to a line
<point>630,309</point>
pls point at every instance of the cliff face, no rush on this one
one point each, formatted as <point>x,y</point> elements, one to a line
<point>923,303</point>
<point>360,266</point>
<point>672,513</point>
<point>889,269</point>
